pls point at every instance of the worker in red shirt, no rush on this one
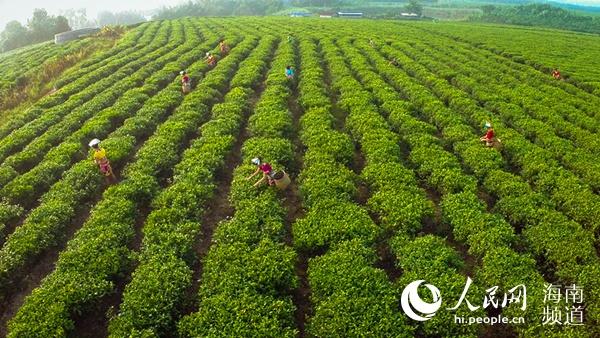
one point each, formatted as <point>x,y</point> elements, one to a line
<point>186,82</point>
<point>556,74</point>
<point>266,169</point>
<point>489,138</point>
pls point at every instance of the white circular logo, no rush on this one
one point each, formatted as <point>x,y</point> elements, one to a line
<point>410,300</point>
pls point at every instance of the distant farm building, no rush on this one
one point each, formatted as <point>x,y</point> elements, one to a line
<point>74,35</point>
<point>350,14</point>
<point>409,15</point>
<point>299,14</point>
<point>327,15</point>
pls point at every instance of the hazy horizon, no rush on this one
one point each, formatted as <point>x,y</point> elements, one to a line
<point>24,8</point>
<point>582,2</point>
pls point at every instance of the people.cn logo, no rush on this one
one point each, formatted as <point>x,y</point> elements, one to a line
<point>412,303</point>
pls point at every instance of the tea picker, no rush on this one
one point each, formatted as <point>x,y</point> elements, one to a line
<point>289,72</point>
<point>101,159</point>
<point>186,83</point>
<point>490,137</point>
<point>223,47</point>
<point>210,59</point>
<point>280,179</point>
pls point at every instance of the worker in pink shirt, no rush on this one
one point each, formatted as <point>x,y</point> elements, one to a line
<point>266,169</point>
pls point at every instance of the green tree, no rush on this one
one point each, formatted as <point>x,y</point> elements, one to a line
<point>319,3</point>
<point>78,18</point>
<point>15,35</point>
<point>222,7</point>
<point>488,9</point>
<point>414,6</point>
<point>39,25</point>
<point>61,24</point>
<point>120,18</point>
<point>42,26</point>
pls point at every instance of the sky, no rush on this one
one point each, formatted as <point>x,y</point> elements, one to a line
<point>578,2</point>
<point>21,10</point>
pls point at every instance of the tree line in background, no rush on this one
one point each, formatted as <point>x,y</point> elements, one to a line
<point>220,8</point>
<point>42,26</point>
<point>266,7</point>
<point>539,15</point>
<point>78,18</point>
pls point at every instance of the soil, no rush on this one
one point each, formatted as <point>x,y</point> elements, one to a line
<point>547,269</point>
<point>293,205</point>
<point>218,208</point>
<point>387,260</point>
<point>11,226</point>
<point>335,111</point>
<point>434,225</point>
<point>358,163</point>
<point>45,265</point>
<point>497,330</point>
<point>489,200</point>
<point>16,296</point>
<point>301,295</point>
<point>93,322</point>
<point>363,194</point>
<point>32,275</point>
